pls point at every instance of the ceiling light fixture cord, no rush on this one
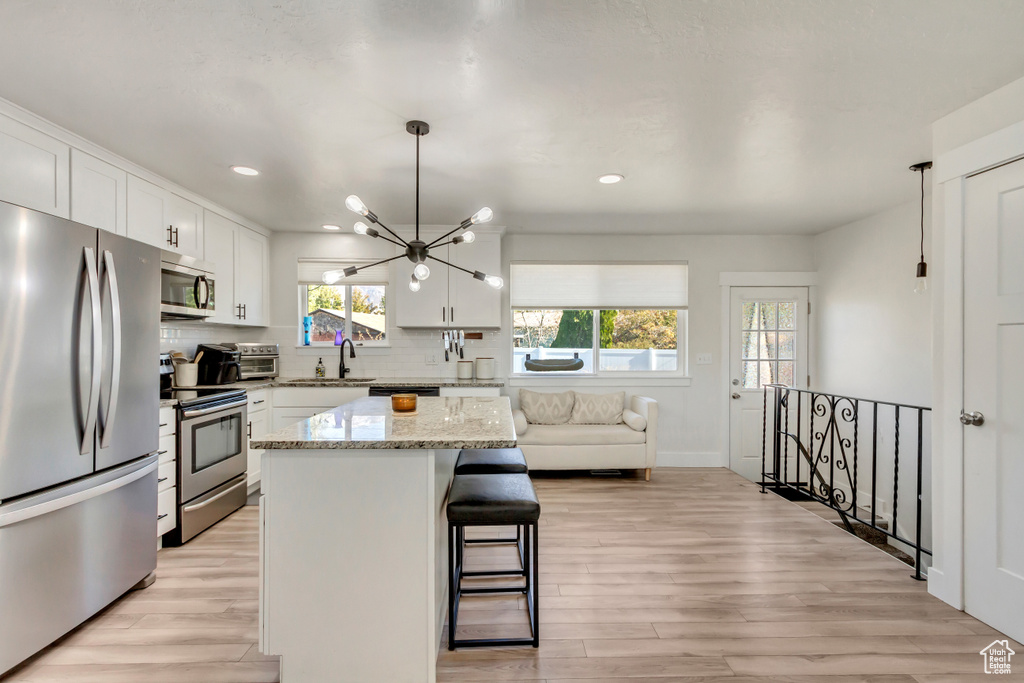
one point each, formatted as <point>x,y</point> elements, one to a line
<point>418,185</point>
<point>922,211</point>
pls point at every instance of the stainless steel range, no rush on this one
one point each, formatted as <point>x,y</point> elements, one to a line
<point>259,360</point>
<point>212,452</point>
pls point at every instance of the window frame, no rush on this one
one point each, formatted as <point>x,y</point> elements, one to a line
<point>303,299</point>
<point>681,371</point>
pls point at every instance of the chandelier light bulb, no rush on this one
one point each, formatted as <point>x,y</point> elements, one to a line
<point>361,228</point>
<point>421,272</point>
<point>355,204</point>
<point>414,284</point>
<point>482,216</point>
<point>331,276</point>
<point>468,236</point>
<point>494,281</point>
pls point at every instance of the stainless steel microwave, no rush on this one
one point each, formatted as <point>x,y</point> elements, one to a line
<point>187,289</point>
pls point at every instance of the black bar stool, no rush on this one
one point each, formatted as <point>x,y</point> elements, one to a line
<point>493,461</point>
<point>492,500</point>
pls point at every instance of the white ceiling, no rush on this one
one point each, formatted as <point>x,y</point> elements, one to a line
<point>725,117</point>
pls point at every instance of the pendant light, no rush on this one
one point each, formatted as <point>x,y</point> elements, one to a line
<point>416,250</point>
<point>922,267</point>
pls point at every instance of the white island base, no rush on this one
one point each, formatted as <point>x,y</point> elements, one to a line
<point>353,536</point>
<point>354,565</point>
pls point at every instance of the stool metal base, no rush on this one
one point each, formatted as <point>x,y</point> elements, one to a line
<point>526,540</point>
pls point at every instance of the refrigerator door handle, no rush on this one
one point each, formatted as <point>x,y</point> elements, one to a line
<point>92,408</point>
<point>107,419</point>
<point>56,500</point>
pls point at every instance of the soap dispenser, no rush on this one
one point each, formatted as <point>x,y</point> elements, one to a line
<point>321,371</point>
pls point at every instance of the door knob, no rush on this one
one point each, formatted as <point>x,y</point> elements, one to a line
<point>975,419</point>
<point>735,395</point>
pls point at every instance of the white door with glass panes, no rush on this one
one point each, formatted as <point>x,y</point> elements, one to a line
<point>993,401</point>
<point>767,345</point>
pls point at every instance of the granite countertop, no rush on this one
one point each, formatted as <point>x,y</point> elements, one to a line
<point>385,382</point>
<point>369,423</point>
<point>301,382</point>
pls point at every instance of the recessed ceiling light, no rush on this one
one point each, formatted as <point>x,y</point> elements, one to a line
<point>610,178</point>
<point>244,170</point>
<point>332,227</point>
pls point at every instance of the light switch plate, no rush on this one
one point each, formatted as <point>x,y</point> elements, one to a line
<point>703,359</point>
<point>431,357</point>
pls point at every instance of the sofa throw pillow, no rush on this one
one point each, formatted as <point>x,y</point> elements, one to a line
<point>546,409</point>
<point>598,409</point>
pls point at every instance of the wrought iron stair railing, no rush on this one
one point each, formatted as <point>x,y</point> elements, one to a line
<point>812,448</point>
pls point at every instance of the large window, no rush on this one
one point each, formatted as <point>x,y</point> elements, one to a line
<point>627,340</point>
<point>357,308</point>
<point>615,318</point>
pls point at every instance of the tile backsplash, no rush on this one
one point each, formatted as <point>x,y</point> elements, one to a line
<point>405,357</point>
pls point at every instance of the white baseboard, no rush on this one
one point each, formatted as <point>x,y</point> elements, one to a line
<point>681,459</point>
<point>939,587</point>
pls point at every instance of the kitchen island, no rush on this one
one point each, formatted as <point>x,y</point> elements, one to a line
<point>353,559</point>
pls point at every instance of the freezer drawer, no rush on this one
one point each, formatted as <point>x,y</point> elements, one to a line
<point>67,553</point>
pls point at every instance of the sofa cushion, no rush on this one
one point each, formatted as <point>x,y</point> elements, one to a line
<point>597,409</point>
<point>634,420</point>
<point>544,408</point>
<point>581,435</point>
<point>519,421</point>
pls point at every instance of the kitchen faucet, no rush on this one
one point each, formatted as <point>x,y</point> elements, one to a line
<point>352,354</point>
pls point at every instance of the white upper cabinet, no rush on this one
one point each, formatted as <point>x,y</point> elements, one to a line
<point>219,249</point>
<point>449,297</point>
<point>241,267</point>
<point>159,217</point>
<point>429,306</point>
<point>34,169</point>
<point>99,193</point>
<point>252,272</point>
<point>473,303</point>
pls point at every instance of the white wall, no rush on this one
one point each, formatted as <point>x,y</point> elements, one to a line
<point>873,336</point>
<point>690,428</point>
<point>872,332</point>
<point>407,354</point>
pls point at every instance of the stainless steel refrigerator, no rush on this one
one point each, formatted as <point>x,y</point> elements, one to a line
<point>79,409</point>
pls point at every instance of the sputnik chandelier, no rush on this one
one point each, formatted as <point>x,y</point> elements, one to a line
<point>416,250</point>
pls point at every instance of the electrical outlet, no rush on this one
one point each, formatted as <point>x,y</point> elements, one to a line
<point>431,357</point>
<point>703,359</point>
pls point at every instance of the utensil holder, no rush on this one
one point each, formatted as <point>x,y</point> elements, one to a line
<point>186,375</point>
<point>464,369</point>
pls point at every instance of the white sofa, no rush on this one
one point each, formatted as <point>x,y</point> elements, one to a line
<point>571,446</point>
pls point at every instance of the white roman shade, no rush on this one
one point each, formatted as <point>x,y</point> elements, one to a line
<point>599,285</point>
<point>311,272</point>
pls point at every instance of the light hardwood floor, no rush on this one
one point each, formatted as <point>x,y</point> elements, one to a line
<point>695,576</point>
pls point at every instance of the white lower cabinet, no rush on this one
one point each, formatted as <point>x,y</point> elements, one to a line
<point>294,404</point>
<point>470,391</point>
<point>258,428</point>
<point>167,473</point>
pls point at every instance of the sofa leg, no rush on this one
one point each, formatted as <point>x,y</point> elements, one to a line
<point>647,474</point>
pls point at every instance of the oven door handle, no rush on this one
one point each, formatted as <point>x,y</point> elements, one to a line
<point>198,412</point>
<point>197,506</point>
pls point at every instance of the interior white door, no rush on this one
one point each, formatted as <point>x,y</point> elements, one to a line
<point>767,345</point>
<point>994,388</point>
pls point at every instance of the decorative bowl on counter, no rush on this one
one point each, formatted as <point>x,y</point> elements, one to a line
<point>403,403</point>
